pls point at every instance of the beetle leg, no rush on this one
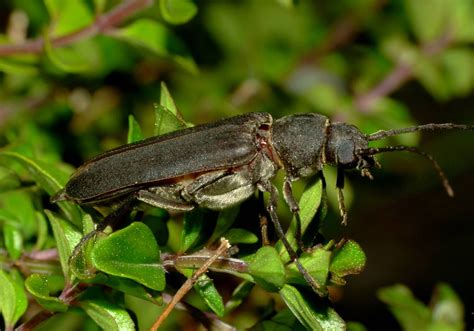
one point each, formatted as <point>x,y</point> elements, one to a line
<point>295,208</point>
<point>340,194</point>
<point>271,207</point>
<point>159,197</point>
<point>219,190</point>
<point>262,215</point>
<point>118,215</point>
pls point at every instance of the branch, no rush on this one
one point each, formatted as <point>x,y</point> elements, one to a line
<point>102,24</point>
<point>401,73</point>
<point>186,287</point>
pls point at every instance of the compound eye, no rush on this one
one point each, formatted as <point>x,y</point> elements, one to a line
<point>345,153</point>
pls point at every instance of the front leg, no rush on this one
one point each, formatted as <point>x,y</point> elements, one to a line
<point>271,207</point>
<point>295,208</point>
<point>340,195</point>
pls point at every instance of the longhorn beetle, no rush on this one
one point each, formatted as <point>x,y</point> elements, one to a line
<point>221,164</point>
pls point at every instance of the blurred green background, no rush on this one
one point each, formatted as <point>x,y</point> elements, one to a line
<point>377,64</point>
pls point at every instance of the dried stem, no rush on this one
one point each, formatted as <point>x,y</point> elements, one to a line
<point>102,24</point>
<point>186,287</point>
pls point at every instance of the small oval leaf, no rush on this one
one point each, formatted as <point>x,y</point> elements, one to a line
<point>312,317</point>
<point>107,315</point>
<point>267,269</point>
<point>131,253</point>
<point>39,287</point>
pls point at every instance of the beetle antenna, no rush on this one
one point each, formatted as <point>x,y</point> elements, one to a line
<point>425,127</point>
<point>441,174</point>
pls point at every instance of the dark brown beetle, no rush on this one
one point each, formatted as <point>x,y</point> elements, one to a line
<point>221,164</point>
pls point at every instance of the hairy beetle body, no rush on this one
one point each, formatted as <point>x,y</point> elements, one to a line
<point>221,164</point>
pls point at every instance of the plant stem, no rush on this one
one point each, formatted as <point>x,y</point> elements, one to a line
<point>401,73</point>
<point>186,287</point>
<point>102,24</point>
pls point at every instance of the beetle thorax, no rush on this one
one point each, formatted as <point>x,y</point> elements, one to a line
<point>299,141</point>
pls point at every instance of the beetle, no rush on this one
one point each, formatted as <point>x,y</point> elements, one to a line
<point>221,164</point>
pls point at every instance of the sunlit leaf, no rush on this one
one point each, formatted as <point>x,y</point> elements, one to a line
<point>348,259</point>
<point>134,130</point>
<point>267,269</point>
<point>40,287</point>
<point>312,317</point>
<point>177,11</point>
<point>107,315</point>
<point>131,253</point>
<point>410,312</point>
<point>206,289</point>
<point>13,300</point>
<point>194,223</point>
<point>67,237</point>
<point>240,236</point>
<point>49,178</point>
<point>155,37</point>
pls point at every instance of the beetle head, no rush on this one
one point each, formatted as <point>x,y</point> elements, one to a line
<point>343,146</point>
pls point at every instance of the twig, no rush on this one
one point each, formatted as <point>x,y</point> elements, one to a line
<point>186,287</point>
<point>401,73</point>
<point>102,24</point>
<point>36,320</point>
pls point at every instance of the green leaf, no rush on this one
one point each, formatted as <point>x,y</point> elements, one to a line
<point>134,130</point>
<point>166,100</point>
<point>239,294</point>
<point>12,65</point>
<point>194,223</point>
<point>177,11</point>
<point>107,315</point>
<point>462,24</point>
<point>131,253</point>
<point>267,269</point>
<point>428,27</point>
<point>455,63</point>
<point>42,235</point>
<point>312,317</point>
<point>8,180</point>
<point>49,178</point>
<point>155,37</point>
<point>447,309</point>
<point>355,326</point>
<point>317,265</point>
<point>67,237</point>
<point>240,236</point>
<point>39,286</point>
<point>19,203</point>
<point>309,204</point>
<point>68,16</point>
<point>206,289</point>
<point>225,219</point>
<point>347,260</point>
<point>66,59</point>
<point>411,314</point>
<point>127,286</point>
<point>166,121</point>
<point>80,262</point>
<point>13,241</point>
<point>13,300</point>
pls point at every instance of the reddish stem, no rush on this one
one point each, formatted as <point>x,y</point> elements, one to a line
<point>102,24</point>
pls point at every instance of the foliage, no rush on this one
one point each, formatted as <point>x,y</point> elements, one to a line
<point>75,73</point>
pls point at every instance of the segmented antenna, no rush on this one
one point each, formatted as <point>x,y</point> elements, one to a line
<point>425,127</point>
<point>442,176</point>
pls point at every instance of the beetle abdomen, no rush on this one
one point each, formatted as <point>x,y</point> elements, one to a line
<point>224,144</point>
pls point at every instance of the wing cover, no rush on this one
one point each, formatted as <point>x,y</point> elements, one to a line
<point>223,144</point>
